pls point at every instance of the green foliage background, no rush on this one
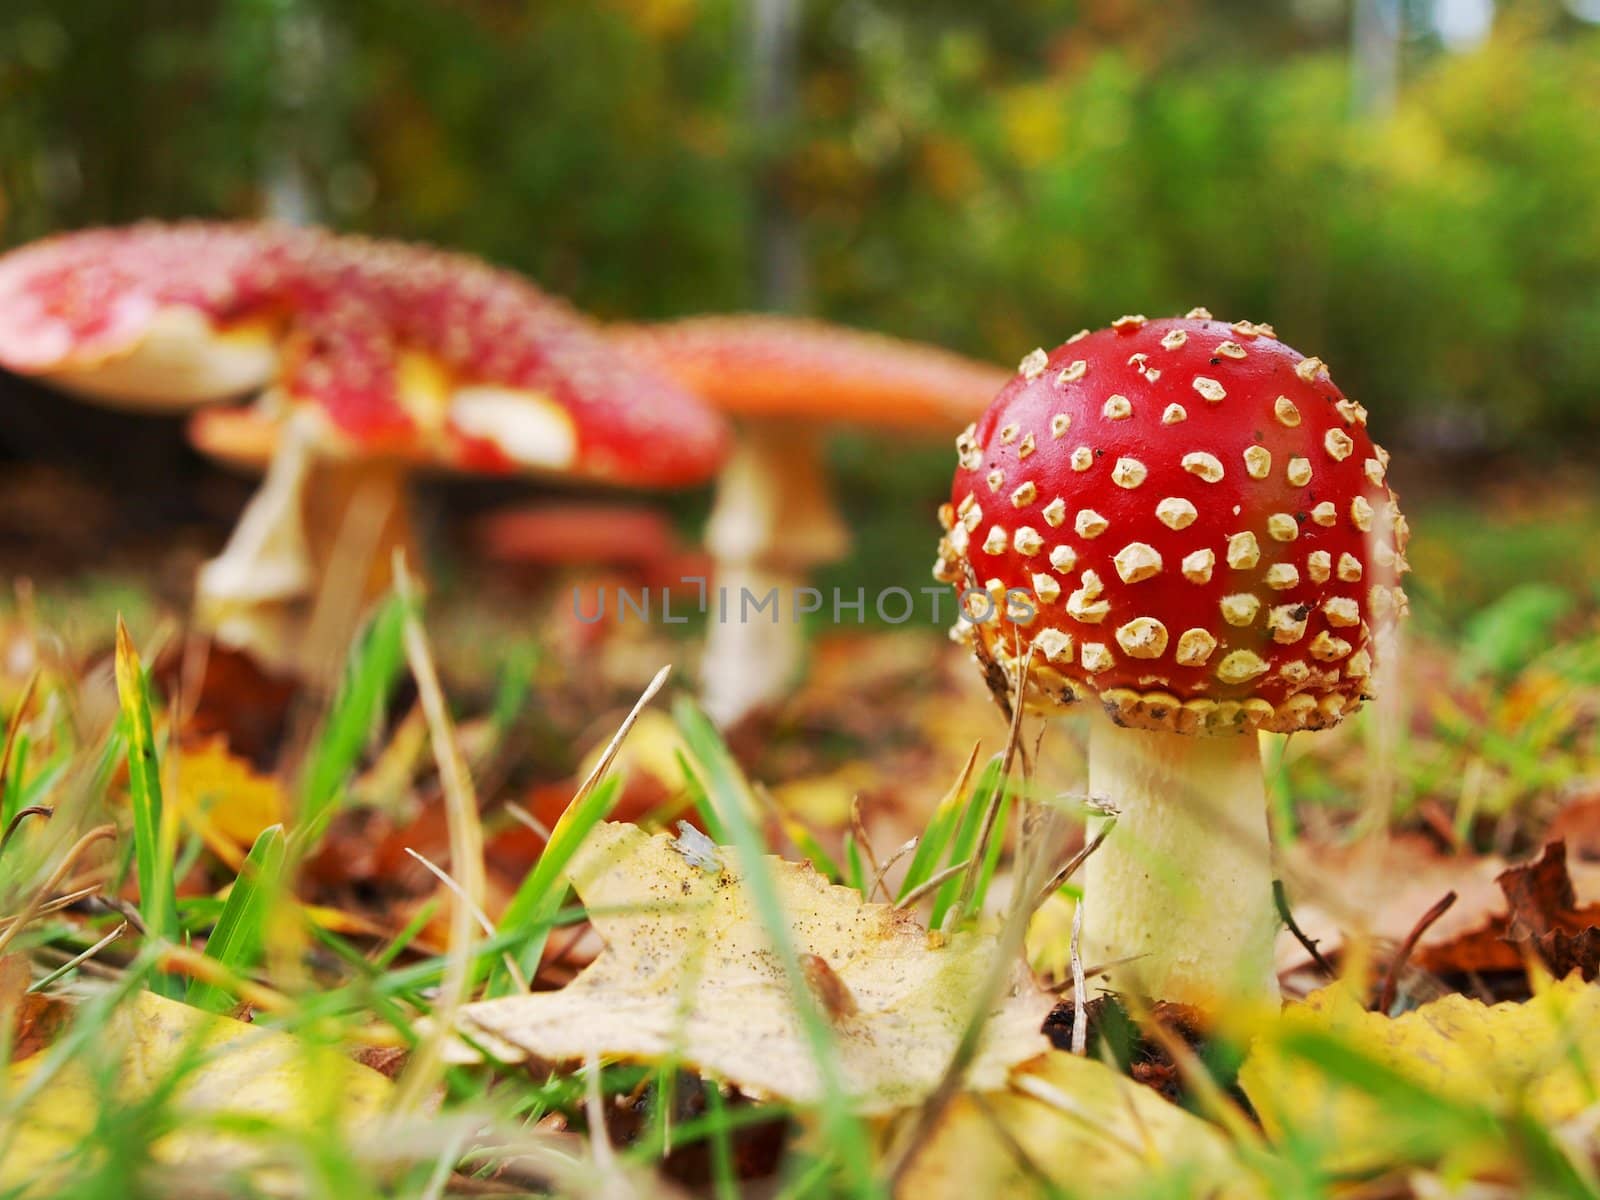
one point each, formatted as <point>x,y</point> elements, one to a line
<point>990,176</point>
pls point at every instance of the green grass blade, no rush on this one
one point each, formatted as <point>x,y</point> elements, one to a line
<point>966,837</point>
<point>543,892</point>
<point>514,687</point>
<point>369,678</point>
<point>154,842</point>
<point>842,1129</point>
<point>935,839</point>
<point>17,768</point>
<point>241,930</point>
<point>991,859</point>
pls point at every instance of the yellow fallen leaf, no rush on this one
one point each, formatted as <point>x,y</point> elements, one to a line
<point>223,798</point>
<point>688,970</point>
<point>1082,1127</point>
<point>1541,1057</point>
<point>229,1069</point>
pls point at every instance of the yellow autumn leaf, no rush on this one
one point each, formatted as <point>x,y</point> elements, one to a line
<point>1073,1125</point>
<point>1541,1057</point>
<point>689,971</point>
<point>228,1069</point>
<point>223,798</point>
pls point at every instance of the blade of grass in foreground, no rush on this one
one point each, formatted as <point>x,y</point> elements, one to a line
<point>154,844</point>
<point>240,931</point>
<point>966,838</point>
<point>369,679</point>
<point>936,836</point>
<point>542,892</point>
<point>843,1130</point>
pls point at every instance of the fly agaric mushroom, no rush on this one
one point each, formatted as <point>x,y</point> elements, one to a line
<point>399,357</point>
<point>156,317</point>
<point>1203,530</point>
<point>784,380</point>
<point>377,357</point>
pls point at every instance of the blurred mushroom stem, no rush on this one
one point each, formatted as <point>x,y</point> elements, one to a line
<point>773,521</point>
<point>1183,885</point>
<point>311,551</point>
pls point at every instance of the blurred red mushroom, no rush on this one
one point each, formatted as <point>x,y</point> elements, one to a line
<point>786,380</point>
<point>562,535</point>
<point>377,357</point>
<point>598,548</point>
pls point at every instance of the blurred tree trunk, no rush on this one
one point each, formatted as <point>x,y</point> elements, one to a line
<point>780,268</point>
<point>1374,57</point>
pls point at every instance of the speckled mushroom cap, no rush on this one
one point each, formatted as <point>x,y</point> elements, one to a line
<point>73,306</point>
<point>770,366</point>
<point>1199,519</point>
<point>413,353</point>
<point>395,350</point>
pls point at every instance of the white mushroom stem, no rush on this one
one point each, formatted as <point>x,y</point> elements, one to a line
<point>1182,887</point>
<point>773,520</point>
<point>310,551</point>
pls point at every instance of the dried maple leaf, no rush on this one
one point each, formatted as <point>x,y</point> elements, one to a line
<point>689,972</point>
<point>1541,1057</point>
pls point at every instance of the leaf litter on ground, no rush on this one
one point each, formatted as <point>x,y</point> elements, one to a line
<point>689,973</point>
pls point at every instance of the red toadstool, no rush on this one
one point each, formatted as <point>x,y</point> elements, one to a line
<point>1207,544</point>
<point>784,380</point>
<point>376,356</point>
<point>148,316</point>
<point>399,357</point>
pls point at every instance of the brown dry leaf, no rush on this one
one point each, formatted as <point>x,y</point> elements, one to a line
<point>223,798</point>
<point>1085,1129</point>
<point>230,1069</point>
<point>689,971</point>
<point>1544,920</point>
<point>1542,1056</point>
<point>1381,887</point>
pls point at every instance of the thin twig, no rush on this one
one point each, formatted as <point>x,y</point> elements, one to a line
<point>1392,979</point>
<point>1076,861</point>
<point>525,818</point>
<point>482,917</point>
<point>860,830</point>
<point>68,860</point>
<point>905,848</point>
<point>33,810</point>
<point>79,959</point>
<point>466,857</point>
<point>932,882</point>
<point>1281,899</point>
<point>1080,986</point>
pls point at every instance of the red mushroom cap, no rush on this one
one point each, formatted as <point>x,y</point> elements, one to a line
<point>72,306</point>
<point>404,351</point>
<point>576,534</point>
<point>1198,518</point>
<point>771,366</point>
<point>440,358</point>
